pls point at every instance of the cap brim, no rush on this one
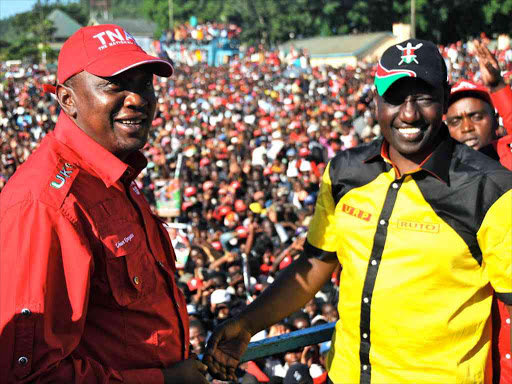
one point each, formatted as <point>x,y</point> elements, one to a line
<point>123,61</point>
<point>477,93</point>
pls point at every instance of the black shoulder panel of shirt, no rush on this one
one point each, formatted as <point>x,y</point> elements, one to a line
<point>356,167</point>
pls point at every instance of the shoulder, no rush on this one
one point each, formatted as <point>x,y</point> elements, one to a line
<point>46,176</point>
<point>356,156</point>
<point>478,165</point>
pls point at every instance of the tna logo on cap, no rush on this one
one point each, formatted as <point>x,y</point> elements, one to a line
<point>105,50</point>
<point>115,37</point>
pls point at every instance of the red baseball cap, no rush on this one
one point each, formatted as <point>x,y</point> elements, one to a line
<point>207,185</point>
<point>240,206</point>
<point>190,191</point>
<point>242,232</point>
<point>217,245</point>
<point>104,50</point>
<point>303,152</point>
<point>468,87</point>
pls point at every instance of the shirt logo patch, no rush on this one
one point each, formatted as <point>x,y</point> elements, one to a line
<point>408,53</point>
<point>417,226</point>
<point>127,239</point>
<point>135,189</point>
<point>65,173</point>
<point>356,212</point>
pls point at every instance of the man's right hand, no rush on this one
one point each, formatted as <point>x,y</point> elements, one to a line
<point>190,371</point>
<point>225,347</point>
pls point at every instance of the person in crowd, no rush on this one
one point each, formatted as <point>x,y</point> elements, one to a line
<point>471,115</point>
<point>197,333</point>
<point>87,286</point>
<point>379,209</point>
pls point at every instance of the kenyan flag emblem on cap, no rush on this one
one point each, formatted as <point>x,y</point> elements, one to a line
<point>408,53</point>
<point>385,77</point>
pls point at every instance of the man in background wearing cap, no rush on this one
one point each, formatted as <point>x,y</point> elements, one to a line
<point>472,120</point>
<point>421,226</point>
<point>471,117</point>
<point>87,290</point>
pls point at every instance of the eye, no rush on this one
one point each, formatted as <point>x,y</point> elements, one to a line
<point>452,122</point>
<point>477,117</point>
<point>425,100</point>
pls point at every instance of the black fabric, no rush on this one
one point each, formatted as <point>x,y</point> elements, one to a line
<point>505,297</point>
<point>379,241</point>
<point>356,167</point>
<point>310,251</point>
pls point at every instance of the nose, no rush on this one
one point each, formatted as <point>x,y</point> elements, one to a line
<point>409,112</point>
<point>135,99</point>
<point>466,125</point>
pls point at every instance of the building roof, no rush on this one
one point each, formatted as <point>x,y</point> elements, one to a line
<point>136,27</point>
<point>64,25</point>
<point>344,45</point>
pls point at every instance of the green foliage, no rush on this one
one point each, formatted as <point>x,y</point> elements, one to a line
<point>271,22</point>
<point>126,8</point>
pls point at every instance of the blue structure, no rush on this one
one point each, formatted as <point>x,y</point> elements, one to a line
<point>215,52</point>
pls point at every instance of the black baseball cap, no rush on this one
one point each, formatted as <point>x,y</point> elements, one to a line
<point>411,58</point>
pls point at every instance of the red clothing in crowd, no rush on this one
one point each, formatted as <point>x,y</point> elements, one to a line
<point>502,101</point>
<point>87,288</point>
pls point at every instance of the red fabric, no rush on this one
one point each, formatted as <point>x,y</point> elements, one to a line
<point>501,349</point>
<point>93,265</point>
<point>322,379</point>
<point>254,370</point>
<point>502,101</point>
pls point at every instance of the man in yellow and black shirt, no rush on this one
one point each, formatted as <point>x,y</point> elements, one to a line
<point>422,227</point>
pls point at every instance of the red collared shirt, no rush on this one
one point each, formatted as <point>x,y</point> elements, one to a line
<point>87,288</point>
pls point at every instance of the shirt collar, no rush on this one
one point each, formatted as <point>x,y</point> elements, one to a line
<point>108,167</point>
<point>437,164</point>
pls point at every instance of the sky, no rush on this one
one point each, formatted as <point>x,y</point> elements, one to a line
<point>12,7</point>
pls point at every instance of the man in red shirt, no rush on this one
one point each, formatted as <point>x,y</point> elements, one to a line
<point>87,287</point>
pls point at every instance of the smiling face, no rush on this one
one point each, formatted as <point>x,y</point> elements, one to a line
<point>471,121</point>
<point>410,116</point>
<point>116,111</point>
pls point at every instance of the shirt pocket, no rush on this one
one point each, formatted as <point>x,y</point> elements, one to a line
<point>129,264</point>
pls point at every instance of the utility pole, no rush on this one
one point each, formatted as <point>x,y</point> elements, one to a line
<point>413,19</point>
<point>171,15</point>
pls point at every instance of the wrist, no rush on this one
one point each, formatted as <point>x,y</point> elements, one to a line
<point>498,86</point>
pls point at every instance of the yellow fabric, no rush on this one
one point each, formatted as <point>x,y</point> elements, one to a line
<point>431,301</point>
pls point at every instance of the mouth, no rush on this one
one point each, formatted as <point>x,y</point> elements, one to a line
<point>409,133</point>
<point>472,142</point>
<point>131,125</point>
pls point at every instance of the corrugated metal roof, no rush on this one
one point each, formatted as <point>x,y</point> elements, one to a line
<point>139,27</point>
<point>345,45</point>
<point>64,24</point>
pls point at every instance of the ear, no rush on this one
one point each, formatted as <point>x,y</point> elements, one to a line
<point>375,96</point>
<point>66,97</point>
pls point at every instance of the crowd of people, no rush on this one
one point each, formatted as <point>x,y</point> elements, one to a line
<point>192,32</point>
<point>248,143</point>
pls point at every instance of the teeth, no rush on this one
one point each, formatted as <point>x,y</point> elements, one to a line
<point>131,121</point>
<point>409,131</point>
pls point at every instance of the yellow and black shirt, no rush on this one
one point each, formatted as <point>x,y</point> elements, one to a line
<point>422,254</point>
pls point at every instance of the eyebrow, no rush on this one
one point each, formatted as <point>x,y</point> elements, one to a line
<point>465,113</point>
